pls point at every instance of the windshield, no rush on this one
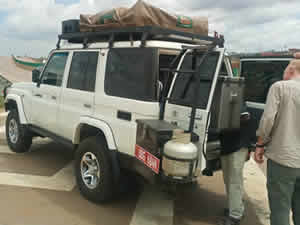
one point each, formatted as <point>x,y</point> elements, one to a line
<point>259,76</point>
<point>186,84</point>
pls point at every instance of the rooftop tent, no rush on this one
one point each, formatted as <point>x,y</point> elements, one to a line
<point>142,14</point>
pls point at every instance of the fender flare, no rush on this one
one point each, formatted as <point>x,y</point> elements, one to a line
<point>103,126</point>
<point>19,102</point>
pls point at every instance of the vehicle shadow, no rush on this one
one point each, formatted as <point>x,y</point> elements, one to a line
<point>75,209</point>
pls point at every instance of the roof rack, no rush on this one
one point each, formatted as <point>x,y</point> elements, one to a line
<point>139,34</point>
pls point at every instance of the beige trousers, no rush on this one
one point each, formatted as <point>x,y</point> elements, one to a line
<point>232,166</point>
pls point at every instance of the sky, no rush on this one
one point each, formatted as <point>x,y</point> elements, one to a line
<point>30,27</point>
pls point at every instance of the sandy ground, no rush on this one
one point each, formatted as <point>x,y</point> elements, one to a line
<point>12,72</point>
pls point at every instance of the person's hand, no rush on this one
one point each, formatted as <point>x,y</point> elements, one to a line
<point>259,155</point>
<point>297,55</point>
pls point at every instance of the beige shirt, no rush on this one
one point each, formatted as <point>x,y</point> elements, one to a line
<point>280,124</point>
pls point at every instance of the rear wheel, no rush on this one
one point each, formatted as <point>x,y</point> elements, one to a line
<point>93,170</point>
<point>19,138</point>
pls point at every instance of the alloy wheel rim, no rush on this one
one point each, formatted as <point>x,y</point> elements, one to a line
<point>90,170</point>
<point>13,131</point>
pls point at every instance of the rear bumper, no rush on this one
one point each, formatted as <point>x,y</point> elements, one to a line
<point>133,164</point>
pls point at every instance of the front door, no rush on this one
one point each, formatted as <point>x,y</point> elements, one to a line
<point>185,86</point>
<point>46,95</point>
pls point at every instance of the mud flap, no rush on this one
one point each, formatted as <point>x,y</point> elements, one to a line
<point>115,165</point>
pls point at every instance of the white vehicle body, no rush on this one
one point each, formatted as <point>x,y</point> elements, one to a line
<point>69,114</point>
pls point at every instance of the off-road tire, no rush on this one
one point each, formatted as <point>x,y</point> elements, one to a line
<point>24,139</point>
<point>105,189</point>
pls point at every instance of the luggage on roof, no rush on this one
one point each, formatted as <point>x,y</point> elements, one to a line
<point>142,14</point>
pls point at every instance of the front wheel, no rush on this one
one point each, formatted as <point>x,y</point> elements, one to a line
<point>93,170</point>
<point>19,138</point>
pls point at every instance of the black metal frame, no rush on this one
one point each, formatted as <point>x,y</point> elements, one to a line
<point>195,100</point>
<point>138,34</point>
<point>171,69</point>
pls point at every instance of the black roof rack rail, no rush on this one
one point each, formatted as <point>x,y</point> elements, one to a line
<point>139,34</point>
<point>266,56</point>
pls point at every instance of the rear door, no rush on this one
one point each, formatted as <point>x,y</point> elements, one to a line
<point>260,74</point>
<point>78,94</point>
<point>126,92</point>
<point>179,107</point>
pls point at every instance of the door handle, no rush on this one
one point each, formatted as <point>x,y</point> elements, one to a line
<point>38,95</point>
<point>87,106</point>
<point>53,97</point>
<point>124,115</point>
<point>197,117</point>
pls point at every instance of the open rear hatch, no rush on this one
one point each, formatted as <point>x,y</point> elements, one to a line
<point>195,103</point>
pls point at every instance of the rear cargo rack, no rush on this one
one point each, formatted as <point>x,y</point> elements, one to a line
<point>142,34</point>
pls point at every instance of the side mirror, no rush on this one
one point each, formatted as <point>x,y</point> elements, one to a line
<point>36,75</point>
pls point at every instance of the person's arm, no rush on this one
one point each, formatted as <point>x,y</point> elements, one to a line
<point>267,121</point>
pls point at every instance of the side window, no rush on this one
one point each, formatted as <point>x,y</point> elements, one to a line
<point>259,77</point>
<point>54,71</point>
<point>132,73</point>
<point>83,71</point>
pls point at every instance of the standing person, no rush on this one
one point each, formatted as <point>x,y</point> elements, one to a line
<point>279,130</point>
<point>234,155</point>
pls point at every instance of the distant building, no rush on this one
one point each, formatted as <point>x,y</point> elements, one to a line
<point>294,50</point>
<point>273,53</point>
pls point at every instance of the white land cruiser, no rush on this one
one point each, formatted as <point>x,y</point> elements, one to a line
<point>145,99</point>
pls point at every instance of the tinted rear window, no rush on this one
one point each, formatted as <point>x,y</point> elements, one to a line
<point>132,73</point>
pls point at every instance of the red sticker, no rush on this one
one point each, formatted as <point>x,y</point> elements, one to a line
<point>147,158</point>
